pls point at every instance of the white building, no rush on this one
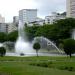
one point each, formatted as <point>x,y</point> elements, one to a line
<point>2,19</point>
<point>54,16</point>
<point>40,21</point>
<point>70,5</point>
<point>37,22</point>
<point>27,15</point>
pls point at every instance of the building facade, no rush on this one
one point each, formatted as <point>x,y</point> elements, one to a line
<point>53,17</point>
<point>27,15</point>
<point>16,19</point>
<point>12,27</point>
<point>70,6</point>
<point>4,27</point>
<point>37,22</point>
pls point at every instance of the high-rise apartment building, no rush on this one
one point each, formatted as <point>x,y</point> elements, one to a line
<point>27,15</point>
<point>70,5</point>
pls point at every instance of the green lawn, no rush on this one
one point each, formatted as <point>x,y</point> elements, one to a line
<point>21,66</point>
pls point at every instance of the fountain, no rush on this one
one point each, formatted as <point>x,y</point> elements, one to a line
<point>22,46</point>
<point>1,45</point>
<point>46,43</point>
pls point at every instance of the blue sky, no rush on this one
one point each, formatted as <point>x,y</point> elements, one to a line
<point>10,8</point>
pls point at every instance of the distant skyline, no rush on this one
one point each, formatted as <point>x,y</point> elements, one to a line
<point>10,8</point>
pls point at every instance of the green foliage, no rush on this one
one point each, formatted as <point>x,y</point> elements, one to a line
<point>69,46</point>
<point>36,46</point>
<point>65,23</point>
<point>13,36</point>
<point>45,31</point>
<point>60,29</point>
<point>67,68</point>
<point>42,64</point>
<point>64,27</point>
<point>53,64</point>
<point>2,51</point>
<point>8,37</point>
<point>3,37</point>
<point>30,32</point>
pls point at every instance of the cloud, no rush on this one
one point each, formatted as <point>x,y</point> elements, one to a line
<point>47,6</point>
<point>10,8</point>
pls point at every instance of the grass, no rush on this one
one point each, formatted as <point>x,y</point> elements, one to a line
<point>22,65</point>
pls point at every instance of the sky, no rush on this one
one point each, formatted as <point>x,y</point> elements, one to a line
<point>10,8</point>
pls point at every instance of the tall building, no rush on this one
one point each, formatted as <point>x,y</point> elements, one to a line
<point>70,5</point>
<point>27,15</point>
<point>15,19</point>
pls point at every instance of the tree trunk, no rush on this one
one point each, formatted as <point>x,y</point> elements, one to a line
<point>37,52</point>
<point>70,55</point>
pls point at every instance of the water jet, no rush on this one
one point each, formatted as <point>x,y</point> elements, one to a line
<point>22,45</point>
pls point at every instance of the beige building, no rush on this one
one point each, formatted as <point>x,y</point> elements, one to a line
<point>70,5</point>
<point>11,27</point>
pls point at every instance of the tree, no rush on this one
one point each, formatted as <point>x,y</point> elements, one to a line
<point>13,36</point>
<point>45,31</point>
<point>36,46</point>
<point>60,29</point>
<point>2,51</point>
<point>3,37</point>
<point>69,46</point>
<point>30,32</point>
<point>64,28</point>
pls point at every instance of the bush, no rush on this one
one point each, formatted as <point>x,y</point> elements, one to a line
<point>66,68</point>
<point>70,69</point>
<point>2,51</point>
<point>42,64</point>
